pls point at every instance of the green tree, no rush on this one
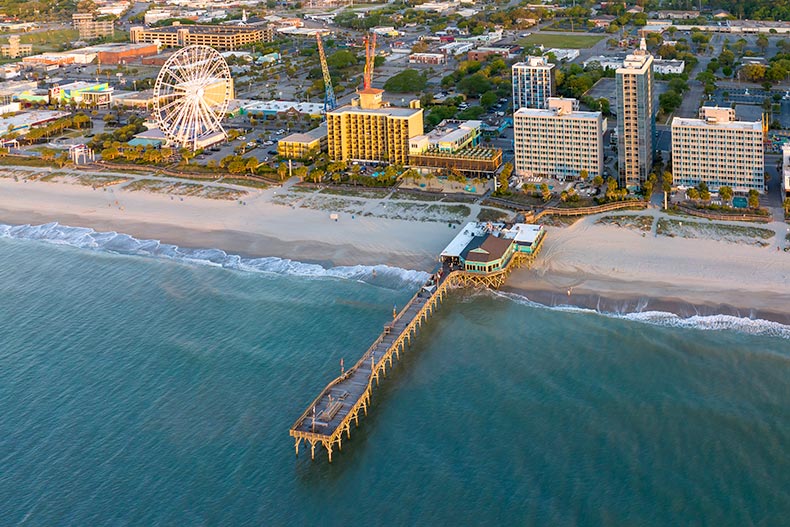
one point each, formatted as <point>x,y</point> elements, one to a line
<point>753,199</point>
<point>597,181</point>
<point>693,194</point>
<point>488,99</point>
<point>474,85</point>
<point>407,81</point>
<point>545,192</point>
<point>762,42</point>
<point>725,193</point>
<point>669,101</point>
<point>704,192</point>
<point>753,72</point>
<point>503,179</point>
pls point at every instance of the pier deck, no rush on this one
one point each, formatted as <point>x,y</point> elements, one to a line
<point>340,402</point>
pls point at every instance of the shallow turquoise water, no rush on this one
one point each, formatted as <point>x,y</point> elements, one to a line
<point>143,391</point>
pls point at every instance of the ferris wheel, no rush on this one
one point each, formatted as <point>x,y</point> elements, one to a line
<point>191,95</point>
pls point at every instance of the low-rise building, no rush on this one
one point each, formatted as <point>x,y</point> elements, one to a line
<point>484,247</point>
<point>483,52</point>
<point>677,15</point>
<point>563,54</point>
<point>667,66</point>
<point>15,49</point>
<point>301,145</point>
<point>718,150</point>
<point>452,49</point>
<point>603,21</point>
<point>221,37</point>
<point>558,142</point>
<point>428,58</point>
<point>455,145</point>
<point>275,108</point>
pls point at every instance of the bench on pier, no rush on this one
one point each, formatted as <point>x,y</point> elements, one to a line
<point>331,411</point>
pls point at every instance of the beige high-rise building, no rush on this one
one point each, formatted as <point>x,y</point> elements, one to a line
<point>558,142</point>
<point>369,131</point>
<point>635,118</point>
<point>718,150</point>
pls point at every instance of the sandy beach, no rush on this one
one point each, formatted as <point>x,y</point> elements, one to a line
<point>258,228</point>
<point>608,267</point>
<point>618,269</point>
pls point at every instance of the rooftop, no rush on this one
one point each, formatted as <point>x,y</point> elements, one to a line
<point>756,126</point>
<point>551,112</point>
<point>466,235</point>
<point>492,248</point>
<point>392,111</point>
<point>524,233</point>
<point>307,137</point>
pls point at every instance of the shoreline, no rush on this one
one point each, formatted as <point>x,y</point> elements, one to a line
<point>622,298</point>
<point>605,267</point>
<point>239,243</point>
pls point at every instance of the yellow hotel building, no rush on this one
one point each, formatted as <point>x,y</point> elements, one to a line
<point>368,131</point>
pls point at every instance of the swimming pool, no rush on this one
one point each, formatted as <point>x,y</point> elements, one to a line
<point>740,202</point>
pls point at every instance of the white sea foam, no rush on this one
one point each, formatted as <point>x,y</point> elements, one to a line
<point>118,243</point>
<point>751,326</point>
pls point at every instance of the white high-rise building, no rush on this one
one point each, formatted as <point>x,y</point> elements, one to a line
<point>533,83</point>
<point>558,142</point>
<point>635,118</point>
<point>718,150</point>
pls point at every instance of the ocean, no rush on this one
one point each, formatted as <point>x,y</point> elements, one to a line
<point>143,384</point>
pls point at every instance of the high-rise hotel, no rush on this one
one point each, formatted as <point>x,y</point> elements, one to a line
<point>367,130</point>
<point>533,83</point>
<point>559,142</point>
<point>718,150</point>
<point>635,118</point>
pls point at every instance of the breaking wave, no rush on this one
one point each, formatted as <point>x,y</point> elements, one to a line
<point>118,243</point>
<point>714,322</point>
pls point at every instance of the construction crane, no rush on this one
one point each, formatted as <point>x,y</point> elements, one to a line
<point>370,58</point>
<point>330,102</point>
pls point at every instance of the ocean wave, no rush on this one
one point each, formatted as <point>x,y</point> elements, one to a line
<point>119,243</point>
<point>714,322</point>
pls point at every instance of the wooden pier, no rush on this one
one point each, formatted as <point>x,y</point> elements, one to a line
<point>330,415</point>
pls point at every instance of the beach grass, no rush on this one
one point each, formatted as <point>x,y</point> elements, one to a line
<point>560,221</point>
<point>358,193</point>
<point>252,183</point>
<point>551,40</point>
<point>413,196</point>
<point>640,223</point>
<point>714,231</point>
<point>489,214</point>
